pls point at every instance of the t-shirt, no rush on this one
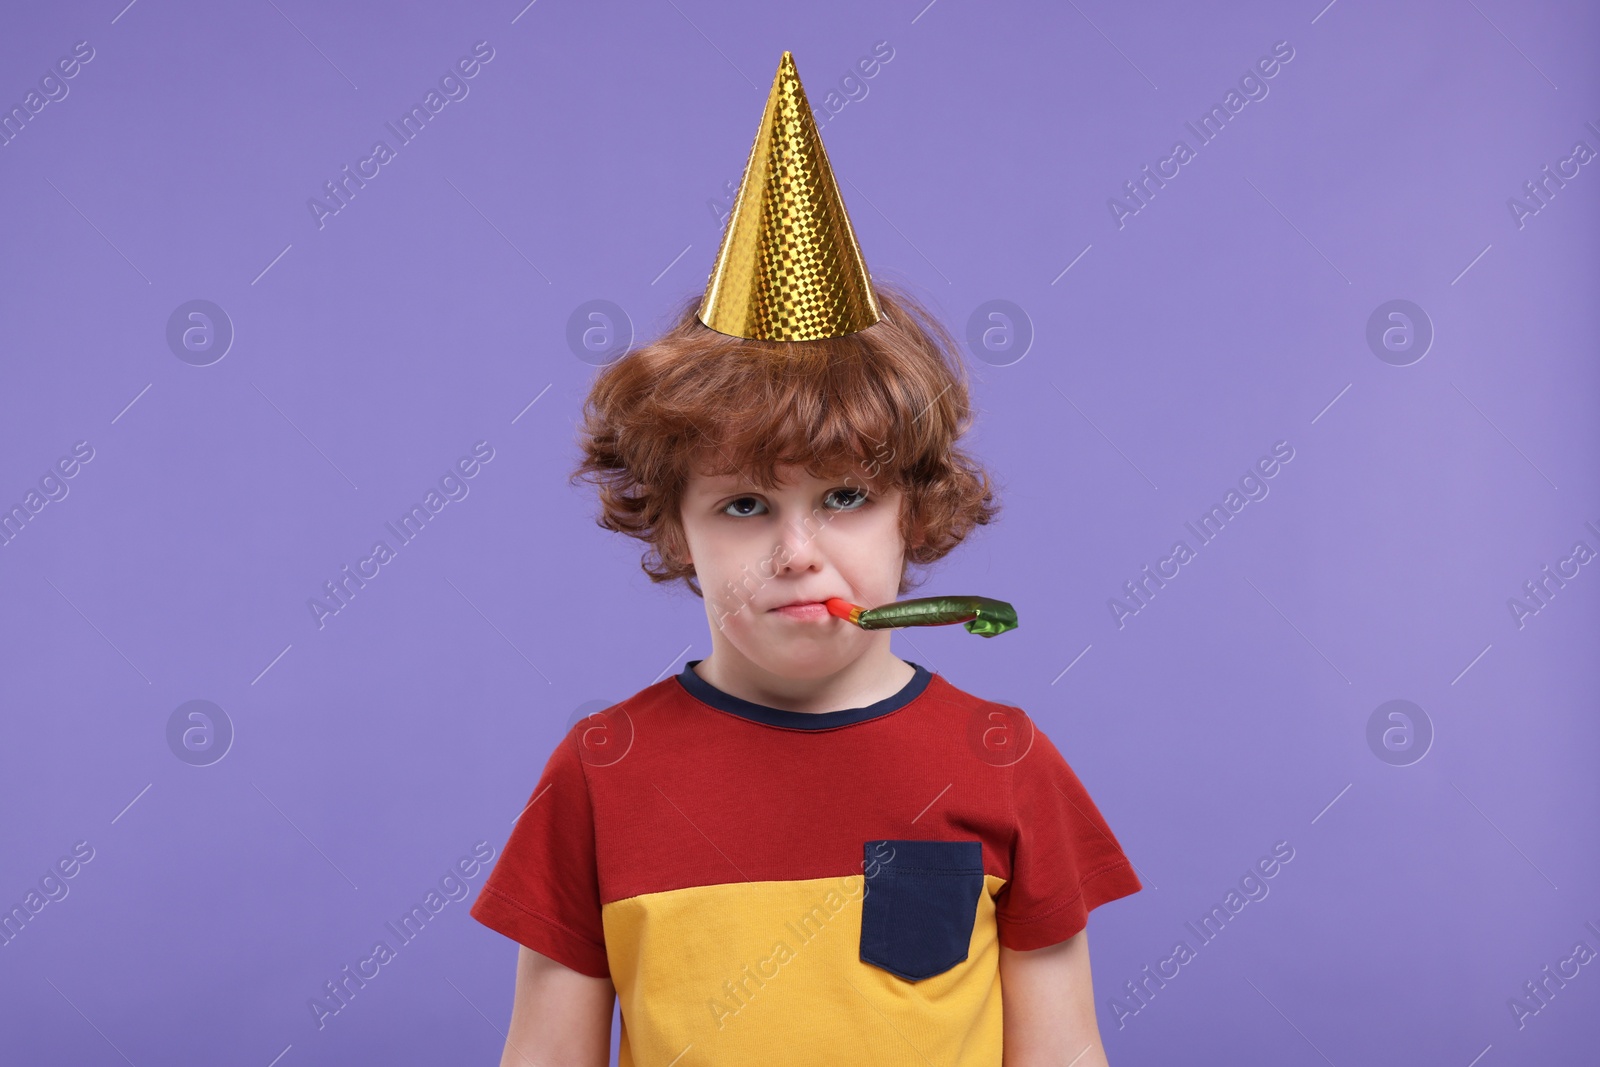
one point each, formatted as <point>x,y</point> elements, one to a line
<point>771,886</point>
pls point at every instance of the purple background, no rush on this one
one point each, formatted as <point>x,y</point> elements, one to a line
<point>586,163</point>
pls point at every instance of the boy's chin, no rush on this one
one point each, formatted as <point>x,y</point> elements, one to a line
<point>799,658</point>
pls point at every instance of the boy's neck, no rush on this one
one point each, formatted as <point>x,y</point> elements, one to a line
<point>874,676</point>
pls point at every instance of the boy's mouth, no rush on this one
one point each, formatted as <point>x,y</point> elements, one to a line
<point>806,609</point>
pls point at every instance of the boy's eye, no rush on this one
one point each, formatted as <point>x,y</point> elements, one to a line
<point>854,499</point>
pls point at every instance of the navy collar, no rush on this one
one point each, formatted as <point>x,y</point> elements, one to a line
<point>707,693</point>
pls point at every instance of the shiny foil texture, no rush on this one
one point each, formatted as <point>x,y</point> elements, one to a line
<point>979,614</point>
<point>789,268</point>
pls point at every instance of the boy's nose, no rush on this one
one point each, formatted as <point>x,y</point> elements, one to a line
<point>799,545</point>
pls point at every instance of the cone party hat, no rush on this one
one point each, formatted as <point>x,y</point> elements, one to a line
<point>789,268</point>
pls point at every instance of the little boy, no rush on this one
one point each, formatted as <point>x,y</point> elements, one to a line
<point>800,849</point>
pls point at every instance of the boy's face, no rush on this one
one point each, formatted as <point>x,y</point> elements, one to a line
<point>809,539</point>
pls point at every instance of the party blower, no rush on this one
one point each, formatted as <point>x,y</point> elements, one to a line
<point>979,614</point>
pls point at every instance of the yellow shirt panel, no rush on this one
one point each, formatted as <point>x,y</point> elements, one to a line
<point>770,973</point>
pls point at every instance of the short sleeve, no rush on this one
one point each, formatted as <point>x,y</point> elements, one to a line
<point>1065,862</point>
<point>544,892</point>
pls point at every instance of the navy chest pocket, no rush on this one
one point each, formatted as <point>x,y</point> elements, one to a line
<point>921,902</point>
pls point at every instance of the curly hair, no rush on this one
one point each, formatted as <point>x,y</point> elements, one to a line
<point>891,400</point>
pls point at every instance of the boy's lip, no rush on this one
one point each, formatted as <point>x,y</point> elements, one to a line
<point>811,610</point>
<point>797,603</point>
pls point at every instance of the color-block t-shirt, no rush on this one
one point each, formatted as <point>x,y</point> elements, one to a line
<point>778,887</point>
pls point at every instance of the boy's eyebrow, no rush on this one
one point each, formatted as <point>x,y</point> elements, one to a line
<point>720,483</point>
<point>726,484</point>
<point>738,480</point>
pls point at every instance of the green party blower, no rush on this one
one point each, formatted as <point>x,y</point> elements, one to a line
<point>979,614</point>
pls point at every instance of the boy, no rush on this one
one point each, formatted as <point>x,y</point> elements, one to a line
<point>801,849</point>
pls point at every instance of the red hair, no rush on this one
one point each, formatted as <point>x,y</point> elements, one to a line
<point>889,401</point>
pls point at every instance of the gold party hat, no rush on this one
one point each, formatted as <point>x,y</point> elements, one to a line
<point>789,268</point>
